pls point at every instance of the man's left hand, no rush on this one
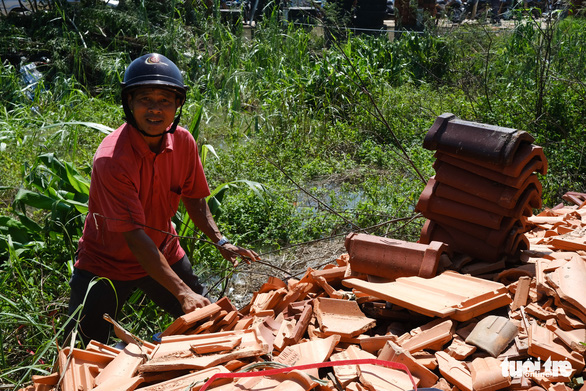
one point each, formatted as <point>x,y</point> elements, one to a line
<point>232,253</point>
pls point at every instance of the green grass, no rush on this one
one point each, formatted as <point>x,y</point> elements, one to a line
<point>310,119</point>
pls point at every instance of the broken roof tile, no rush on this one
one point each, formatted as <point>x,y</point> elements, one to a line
<point>433,334</point>
<point>493,334</point>
<point>124,366</point>
<point>342,317</point>
<point>395,353</point>
<point>177,353</point>
<point>459,349</point>
<point>542,344</point>
<point>183,382</point>
<point>487,374</point>
<point>454,371</point>
<point>568,281</point>
<point>79,368</point>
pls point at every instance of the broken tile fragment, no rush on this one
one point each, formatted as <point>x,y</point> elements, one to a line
<point>487,374</point>
<point>394,353</point>
<point>493,334</point>
<point>124,366</point>
<point>454,371</point>
<point>342,317</point>
<point>433,334</point>
<point>187,381</point>
<point>543,344</point>
<point>79,368</point>
<point>176,352</point>
<point>459,349</point>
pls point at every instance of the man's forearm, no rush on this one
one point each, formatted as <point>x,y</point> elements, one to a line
<point>200,214</point>
<point>154,263</point>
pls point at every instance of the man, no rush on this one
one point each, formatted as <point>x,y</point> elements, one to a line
<point>140,173</point>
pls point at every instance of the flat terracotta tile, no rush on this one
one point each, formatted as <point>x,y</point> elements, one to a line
<point>521,293</point>
<point>443,385</point>
<point>290,381</point>
<point>568,244</point>
<point>267,300</point>
<point>272,284</point>
<point>433,334</point>
<point>450,294</point>
<point>318,350</point>
<point>285,332</point>
<point>124,366</point>
<point>187,381</point>
<point>80,368</point>
<point>542,344</point>
<point>573,339</point>
<point>374,344</point>
<point>333,274</point>
<point>425,358</point>
<point>394,353</point>
<point>568,281</point>
<point>341,317</point>
<point>567,322</point>
<point>345,374</point>
<point>176,353</point>
<point>50,380</point>
<point>302,321</point>
<point>454,371</point>
<point>184,322</point>
<point>538,311</point>
<point>380,378</point>
<point>487,374</point>
<point>120,384</point>
<point>267,329</point>
<point>392,258</point>
<point>98,347</point>
<point>297,293</point>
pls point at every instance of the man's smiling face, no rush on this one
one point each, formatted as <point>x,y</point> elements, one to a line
<point>153,108</point>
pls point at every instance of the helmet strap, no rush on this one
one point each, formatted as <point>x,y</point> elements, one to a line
<point>170,130</point>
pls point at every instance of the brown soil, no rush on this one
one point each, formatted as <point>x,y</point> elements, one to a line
<point>292,263</point>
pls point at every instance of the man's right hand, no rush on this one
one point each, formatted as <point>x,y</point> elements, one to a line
<point>192,301</point>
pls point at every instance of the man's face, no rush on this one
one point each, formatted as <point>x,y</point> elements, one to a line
<point>153,108</point>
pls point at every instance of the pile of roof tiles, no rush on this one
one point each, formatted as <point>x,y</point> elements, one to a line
<point>511,328</point>
<point>445,318</point>
<point>485,183</point>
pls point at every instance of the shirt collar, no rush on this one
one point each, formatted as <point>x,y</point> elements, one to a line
<point>140,145</point>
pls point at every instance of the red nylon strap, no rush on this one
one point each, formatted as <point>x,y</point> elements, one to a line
<point>269,372</point>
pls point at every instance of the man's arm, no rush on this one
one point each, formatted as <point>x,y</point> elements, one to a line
<point>200,214</point>
<point>155,264</point>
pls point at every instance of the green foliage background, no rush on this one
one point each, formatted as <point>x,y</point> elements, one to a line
<point>283,110</point>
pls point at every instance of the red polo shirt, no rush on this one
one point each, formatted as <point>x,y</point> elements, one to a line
<point>132,187</point>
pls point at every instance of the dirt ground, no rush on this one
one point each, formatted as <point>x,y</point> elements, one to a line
<point>292,263</point>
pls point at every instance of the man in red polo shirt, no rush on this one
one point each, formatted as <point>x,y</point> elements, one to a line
<point>140,173</point>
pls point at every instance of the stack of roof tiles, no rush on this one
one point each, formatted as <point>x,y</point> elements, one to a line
<point>484,187</point>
